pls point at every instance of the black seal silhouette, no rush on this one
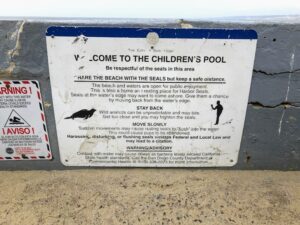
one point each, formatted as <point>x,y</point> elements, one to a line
<point>219,109</point>
<point>84,113</point>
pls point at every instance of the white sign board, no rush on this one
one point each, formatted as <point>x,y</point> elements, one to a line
<point>23,134</point>
<point>150,97</point>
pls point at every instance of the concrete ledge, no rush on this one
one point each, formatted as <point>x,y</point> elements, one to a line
<point>149,196</point>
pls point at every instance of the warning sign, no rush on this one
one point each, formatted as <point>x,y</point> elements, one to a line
<point>150,97</point>
<point>23,134</point>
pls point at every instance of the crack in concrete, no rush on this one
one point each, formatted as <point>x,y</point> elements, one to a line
<point>276,73</point>
<point>284,104</point>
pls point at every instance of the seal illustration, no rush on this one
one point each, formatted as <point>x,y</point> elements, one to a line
<point>84,113</point>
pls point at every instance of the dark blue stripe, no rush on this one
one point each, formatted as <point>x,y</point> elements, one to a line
<point>142,33</point>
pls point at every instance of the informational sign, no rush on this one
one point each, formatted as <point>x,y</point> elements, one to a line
<point>23,134</point>
<point>133,97</point>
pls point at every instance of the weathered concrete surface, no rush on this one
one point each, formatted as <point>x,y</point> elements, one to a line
<point>149,196</point>
<point>271,138</point>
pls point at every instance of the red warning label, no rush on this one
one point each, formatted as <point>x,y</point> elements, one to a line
<point>23,130</point>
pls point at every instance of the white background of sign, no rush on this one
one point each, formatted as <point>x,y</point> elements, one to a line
<point>88,151</point>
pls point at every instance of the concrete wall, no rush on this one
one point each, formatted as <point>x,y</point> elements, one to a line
<point>271,138</point>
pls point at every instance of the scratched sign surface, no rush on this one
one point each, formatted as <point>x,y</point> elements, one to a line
<point>150,97</point>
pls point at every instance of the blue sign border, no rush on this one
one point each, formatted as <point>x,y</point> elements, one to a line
<point>114,32</point>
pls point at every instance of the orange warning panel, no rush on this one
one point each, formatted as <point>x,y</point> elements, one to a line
<point>23,134</point>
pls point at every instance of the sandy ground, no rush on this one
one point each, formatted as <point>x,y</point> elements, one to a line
<point>149,196</point>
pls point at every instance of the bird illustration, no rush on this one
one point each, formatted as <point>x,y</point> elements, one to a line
<point>84,113</point>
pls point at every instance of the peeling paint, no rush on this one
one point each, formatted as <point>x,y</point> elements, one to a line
<point>227,122</point>
<point>47,104</point>
<point>75,40</point>
<point>88,145</point>
<point>185,24</point>
<point>15,51</point>
<point>85,39</point>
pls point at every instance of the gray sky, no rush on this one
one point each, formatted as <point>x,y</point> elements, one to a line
<point>190,9</point>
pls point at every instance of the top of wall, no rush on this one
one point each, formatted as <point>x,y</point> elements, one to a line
<point>291,19</point>
<point>233,11</point>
